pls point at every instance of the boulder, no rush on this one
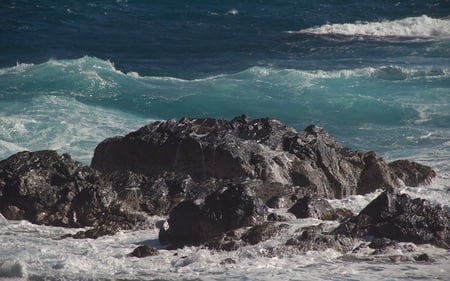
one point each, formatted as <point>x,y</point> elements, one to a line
<point>262,232</point>
<point>314,238</point>
<point>319,208</point>
<point>46,188</point>
<point>143,251</point>
<point>285,162</point>
<point>412,173</point>
<point>226,209</point>
<point>398,217</point>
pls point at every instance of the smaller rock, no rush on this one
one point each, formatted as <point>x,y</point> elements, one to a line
<point>412,173</point>
<point>380,243</point>
<point>343,213</point>
<point>183,225</point>
<point>399,217</point>
<point>423,257</point>
<point>310,207</point>
<point>95,233</point>
<point>260,233</point>
<point>276,217</point>
<point>144,251</point>
<point>314,238</point>
<point>228,261</point>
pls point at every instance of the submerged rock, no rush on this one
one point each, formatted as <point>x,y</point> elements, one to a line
<point>144,251</point>
<point>398,217</point>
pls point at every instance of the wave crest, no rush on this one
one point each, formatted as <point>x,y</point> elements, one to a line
<point>411,27</point>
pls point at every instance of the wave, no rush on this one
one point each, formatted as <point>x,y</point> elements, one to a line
<point>70,105</point>
<point>91,73</point>
<point>411,27</point>
<point>97,82</point>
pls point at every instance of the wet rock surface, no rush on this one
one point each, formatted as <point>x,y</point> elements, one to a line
<point>286,162</point>
<point>144,251</point>
<point>211,177</point>
<point>313,207</point>
<point>46,188</point>
<point>222,211</point>
<point>399,217</point>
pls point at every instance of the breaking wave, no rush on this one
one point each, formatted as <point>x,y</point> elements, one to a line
<point>411,27</point>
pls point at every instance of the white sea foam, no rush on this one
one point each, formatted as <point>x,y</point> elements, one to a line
<point>417,27</point>
<point>38,252</point>
<point>71,127</point>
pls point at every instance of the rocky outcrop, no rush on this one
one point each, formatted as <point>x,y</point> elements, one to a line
<point>412,173</point>
<point>286,162</point>
<point>398,217</point>
<point>223,210</point>
<point>211,177</point>
<point>46,188</point>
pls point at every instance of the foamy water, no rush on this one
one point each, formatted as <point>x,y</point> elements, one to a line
<point>411,27</point>
<point>375,74</point>
<point>32,252</point>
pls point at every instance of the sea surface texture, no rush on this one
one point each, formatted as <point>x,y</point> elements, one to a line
<point>375,74</point>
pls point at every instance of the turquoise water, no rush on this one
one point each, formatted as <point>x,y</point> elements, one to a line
<point>374,73</point>
<point>71,105</point>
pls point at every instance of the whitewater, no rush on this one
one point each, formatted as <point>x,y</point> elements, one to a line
<point>374,75</point>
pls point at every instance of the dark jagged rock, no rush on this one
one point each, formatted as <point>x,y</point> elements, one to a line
<point>210,175</point>
<point>184,224</point>
<point>95,233</point>
<point>155,196</point>
<point>261,233</point>
<point>343,213</point>
<point>311,207</point>
<point>276,217</point>
<point>227,261</point>
<point>315,239</point>
<point>285,162</point>
<point>380,243</point>
<point>232,208</point>
<point>46,188</point>
<point>398,217</point>
<point>144,251</point>
<point>423,257</point>
<point>412,173</point>
<point>222,211</point>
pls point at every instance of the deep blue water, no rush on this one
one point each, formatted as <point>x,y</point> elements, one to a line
<point>373,73</point>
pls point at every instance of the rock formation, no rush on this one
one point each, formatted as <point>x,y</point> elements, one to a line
<point>288,163</point>
<point>46,188</point>
<point>398,217</point>
<point>211,178</point>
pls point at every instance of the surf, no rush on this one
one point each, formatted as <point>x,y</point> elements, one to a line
<point>423,27</point>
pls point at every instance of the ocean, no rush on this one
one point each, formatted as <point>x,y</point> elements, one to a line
<point>375,74</point>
